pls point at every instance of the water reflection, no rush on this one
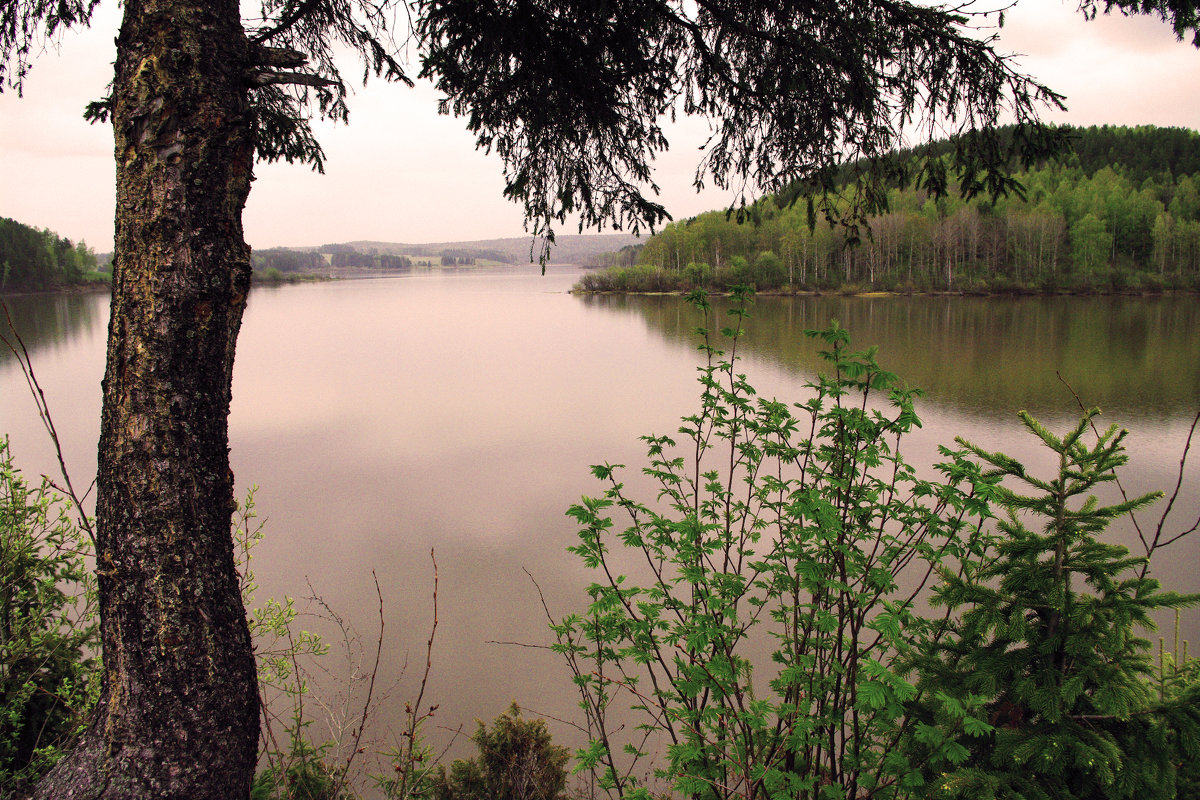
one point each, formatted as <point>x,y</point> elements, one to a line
<point>386,418</point>
<point>990,356</point>
<point>50,320</point>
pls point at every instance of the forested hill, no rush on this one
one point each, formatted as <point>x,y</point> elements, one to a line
<point>1121,212</point>
<point>567,248</point>
<point>32,259</point>
<point>1143,151</point>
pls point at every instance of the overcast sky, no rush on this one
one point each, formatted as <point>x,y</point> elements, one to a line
<point>399,172</point>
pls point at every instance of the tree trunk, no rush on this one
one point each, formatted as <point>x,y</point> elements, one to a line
<point>178,714</point>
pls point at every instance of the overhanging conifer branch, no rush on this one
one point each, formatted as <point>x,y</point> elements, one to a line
<point>286,23</point>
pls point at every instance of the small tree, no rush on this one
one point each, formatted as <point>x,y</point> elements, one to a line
<point>1090,244</point>
<point>804,529</point>
<point>1045,631</point>
<point>769,272</point>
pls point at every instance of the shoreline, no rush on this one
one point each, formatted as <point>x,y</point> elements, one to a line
<point>1075,292</point>
<point>73,288</point>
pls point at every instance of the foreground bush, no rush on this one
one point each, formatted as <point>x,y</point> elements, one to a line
<point>517,761</point>
<point>48,636</point>
<point>761,616</point>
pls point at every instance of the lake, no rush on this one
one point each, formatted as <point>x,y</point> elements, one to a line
<point>385,418</point>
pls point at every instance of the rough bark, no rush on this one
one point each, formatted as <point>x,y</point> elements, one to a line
<point>178,716</point>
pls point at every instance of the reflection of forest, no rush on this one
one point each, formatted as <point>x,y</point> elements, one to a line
<point>1139,355</point>
<point>45,320</point>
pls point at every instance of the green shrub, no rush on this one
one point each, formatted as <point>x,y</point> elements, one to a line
<point>1150,282</point>
<point>638,278</point>
<point>48,633</point>
<point>1002,284</point>
<point>736,273</point>
<point>771,524</point>
<point>977,287</point>
<point>591,281</point>
<point>802,526</point>
<point>517,761</point>
<point>698,275</point>
<point>301,774</point>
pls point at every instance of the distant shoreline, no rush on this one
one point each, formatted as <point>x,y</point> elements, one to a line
<point>1025,292</point>
<point>332,274</point>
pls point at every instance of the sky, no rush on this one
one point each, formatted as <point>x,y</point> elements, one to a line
<point>399,172</point>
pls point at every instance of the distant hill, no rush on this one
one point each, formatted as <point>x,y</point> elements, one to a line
<point>567,249</point>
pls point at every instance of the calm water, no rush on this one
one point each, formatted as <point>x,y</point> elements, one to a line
<point>385,418</point>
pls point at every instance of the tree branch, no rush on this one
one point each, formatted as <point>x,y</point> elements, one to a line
<point>278,57</point>
<point>285,23</point>
<point>260,77</point>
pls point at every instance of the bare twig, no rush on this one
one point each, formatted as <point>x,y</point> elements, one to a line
<point>537,713</point>
<point>355,747</point>
<point>594,709</point>
<point>519,644</point>
<point>429,643</point>
<point>1187,446</point>
<point>1155,542</point>
<point>409,757</point>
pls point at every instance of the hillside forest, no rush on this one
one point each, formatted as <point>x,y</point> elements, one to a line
<point>36,260</point>
<point>1121,212</point>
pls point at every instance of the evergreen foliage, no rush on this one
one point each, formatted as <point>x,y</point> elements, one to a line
<point>1140,151</point>
<point>302,774</point>
<point>792,91</point>
<point>517,761</point>
<point>48,632</point>
<point>33,259</point>
<point>1046,632</point>
<point>1182,15</point>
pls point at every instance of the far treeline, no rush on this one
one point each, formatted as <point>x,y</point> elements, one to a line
<point>285,260</point>
<point>1121,212</point>
<point>566,249</point>
<point>35,260</point>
